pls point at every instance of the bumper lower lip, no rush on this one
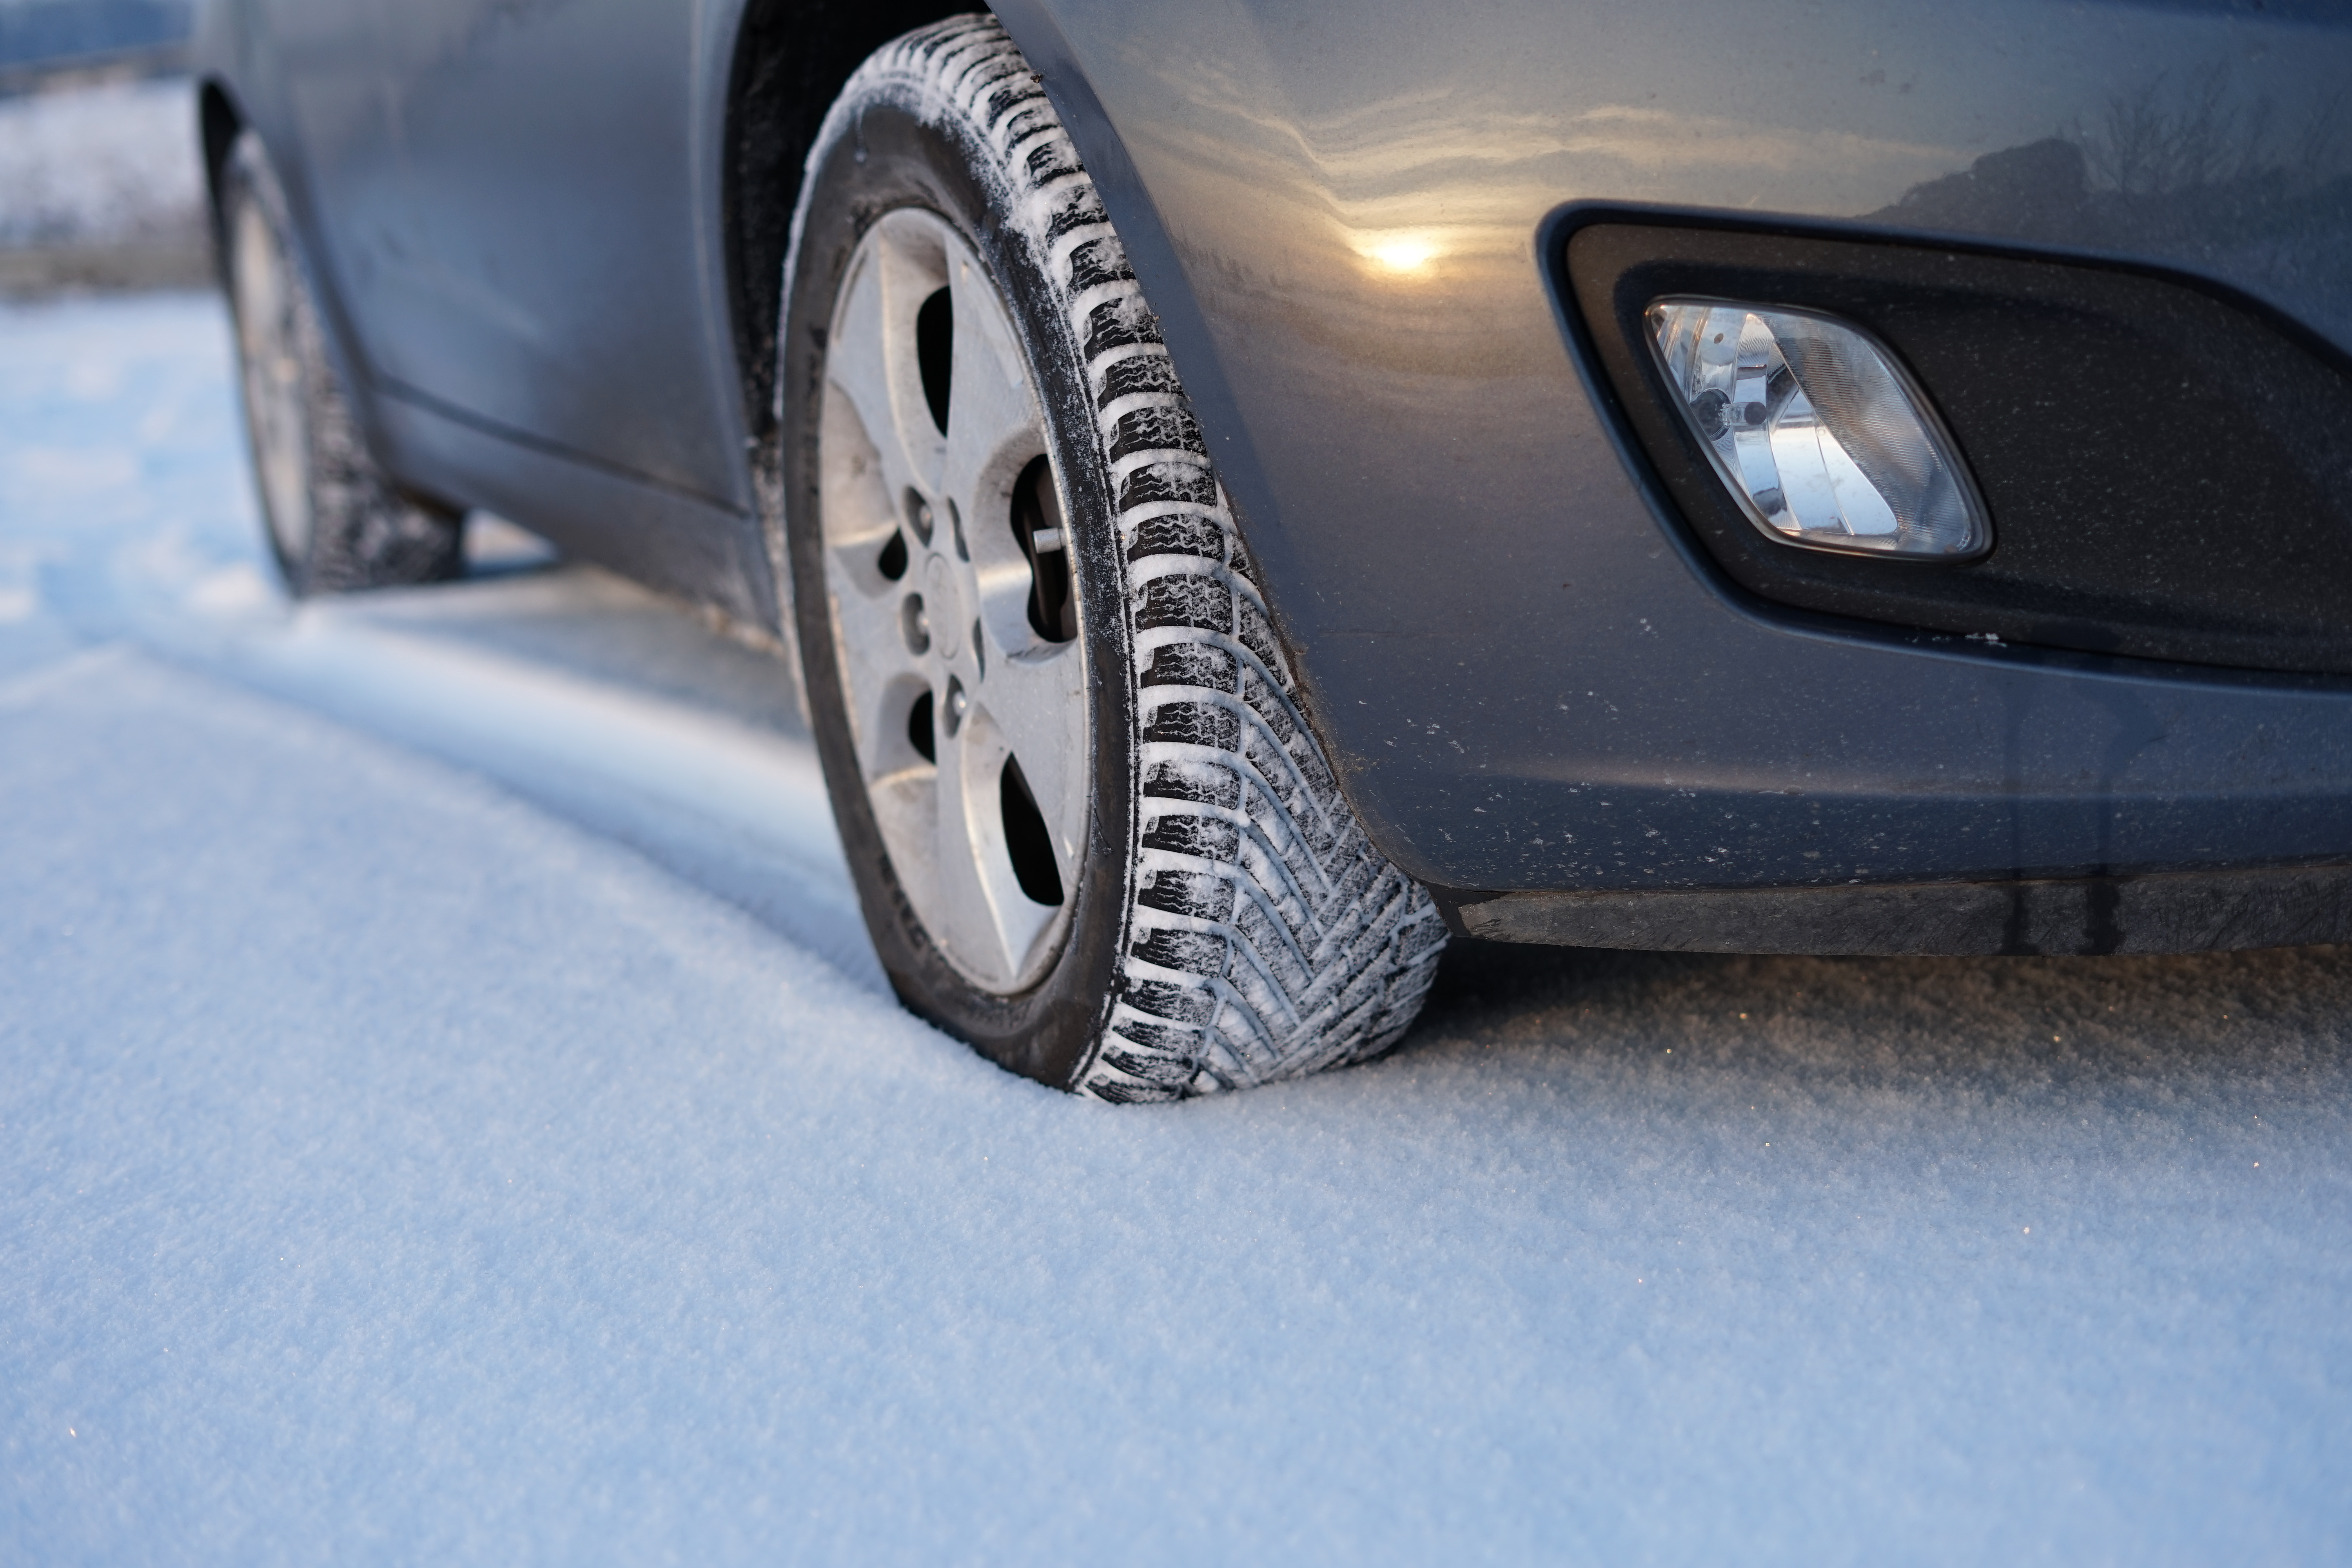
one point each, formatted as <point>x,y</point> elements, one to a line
<point>2185,911</point>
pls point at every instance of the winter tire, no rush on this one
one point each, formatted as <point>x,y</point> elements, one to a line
<point>334,522</point>
<point>1091,832</point>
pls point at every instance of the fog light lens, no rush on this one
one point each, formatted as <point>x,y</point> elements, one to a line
<point>1822,439</point>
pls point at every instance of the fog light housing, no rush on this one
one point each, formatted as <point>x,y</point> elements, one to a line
<point>1819,434</point>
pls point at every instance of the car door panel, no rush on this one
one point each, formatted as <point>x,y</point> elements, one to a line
<point>541,269</point>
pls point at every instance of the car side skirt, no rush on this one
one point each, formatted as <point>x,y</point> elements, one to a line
<point>2200,911</point>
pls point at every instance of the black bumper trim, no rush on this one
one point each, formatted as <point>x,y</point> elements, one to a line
<point>2187,911</point>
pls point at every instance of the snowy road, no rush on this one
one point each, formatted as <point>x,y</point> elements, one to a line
<point>447,1114</point>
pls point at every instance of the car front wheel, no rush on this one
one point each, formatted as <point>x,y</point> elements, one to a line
<point>1091,831</point>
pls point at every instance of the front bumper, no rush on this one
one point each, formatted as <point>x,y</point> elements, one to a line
<point>1527,683</point>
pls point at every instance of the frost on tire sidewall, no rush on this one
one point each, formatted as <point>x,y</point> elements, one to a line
<point>1232,923</point>
<point>358,530</point>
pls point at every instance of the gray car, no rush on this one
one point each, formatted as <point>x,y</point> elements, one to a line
<point>1249,487</point>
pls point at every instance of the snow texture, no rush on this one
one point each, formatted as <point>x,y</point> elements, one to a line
<point>105,165</point>
<point>443,1119</point>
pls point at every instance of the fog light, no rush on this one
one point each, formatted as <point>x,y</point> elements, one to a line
<point>1822,439</point>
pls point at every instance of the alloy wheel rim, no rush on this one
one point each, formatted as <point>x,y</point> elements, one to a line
<point>967,701</point>
<point>270,340</point>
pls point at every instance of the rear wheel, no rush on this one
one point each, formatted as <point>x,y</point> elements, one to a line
<point>335,521</point>
<point>1090,831</point>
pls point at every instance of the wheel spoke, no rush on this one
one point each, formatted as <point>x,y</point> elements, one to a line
<point>994,423</point>
<point>966,918</point>
<point>1028,699</point>
<point>870,608</point>
<point>872,360</point>
<point>907,813</point>
<point>991,904</point>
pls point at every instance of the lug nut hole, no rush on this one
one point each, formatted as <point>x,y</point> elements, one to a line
<point>918,729</point>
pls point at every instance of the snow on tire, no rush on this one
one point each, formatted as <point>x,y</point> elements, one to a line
<point>1232,922</point>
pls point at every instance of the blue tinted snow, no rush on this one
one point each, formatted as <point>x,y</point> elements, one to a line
<point>430,1131</point>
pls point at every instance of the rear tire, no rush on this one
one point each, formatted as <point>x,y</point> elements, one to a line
<point>335,521</point>
<point>1225,922</point>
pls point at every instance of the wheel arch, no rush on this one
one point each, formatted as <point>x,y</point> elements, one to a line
<point>790,60</point>
<point>218,120</point>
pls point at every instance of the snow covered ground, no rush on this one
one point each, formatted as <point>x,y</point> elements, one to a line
<point>101,184</point>
<point>447,1114</point>
<point>108,163</point>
